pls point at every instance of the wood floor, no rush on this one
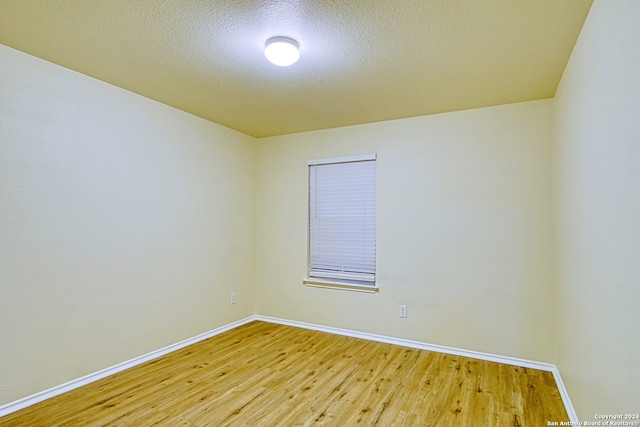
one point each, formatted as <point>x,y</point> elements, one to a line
<point>263,374</point>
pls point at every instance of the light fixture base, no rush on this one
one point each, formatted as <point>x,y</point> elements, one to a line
<point>282,51</point>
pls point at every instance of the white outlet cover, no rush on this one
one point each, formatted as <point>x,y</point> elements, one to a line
<point>402,310</point>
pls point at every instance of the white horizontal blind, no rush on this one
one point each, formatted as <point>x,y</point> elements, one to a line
<point>342,219</point>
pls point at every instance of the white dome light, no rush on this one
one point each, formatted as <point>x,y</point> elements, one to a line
<point>282,51</point>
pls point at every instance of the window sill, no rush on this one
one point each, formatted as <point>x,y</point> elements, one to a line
<point>338,285</point>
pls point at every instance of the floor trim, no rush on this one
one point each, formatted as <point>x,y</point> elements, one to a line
<point>524,363</point>
<point>79,382</point>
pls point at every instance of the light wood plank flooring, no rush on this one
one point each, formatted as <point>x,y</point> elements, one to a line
<point>263,374</point>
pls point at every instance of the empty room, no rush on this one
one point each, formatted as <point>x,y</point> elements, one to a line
<point>314,212</point>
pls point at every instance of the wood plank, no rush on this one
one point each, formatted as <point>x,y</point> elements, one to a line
<point>263,374</point>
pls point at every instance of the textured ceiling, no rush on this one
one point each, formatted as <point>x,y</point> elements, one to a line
<point>361,60</point>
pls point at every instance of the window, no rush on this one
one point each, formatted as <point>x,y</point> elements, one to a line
<point>342,222</point>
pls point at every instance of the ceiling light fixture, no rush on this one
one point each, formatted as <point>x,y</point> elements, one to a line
<point>282,51</point>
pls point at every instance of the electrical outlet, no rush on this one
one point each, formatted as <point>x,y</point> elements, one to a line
<point>402,310</point>
<point>233,297</point>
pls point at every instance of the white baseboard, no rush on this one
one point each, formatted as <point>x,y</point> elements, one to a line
<point>55,391</point>
<point>440,349</point>
<point>573,415</point>
<point>79,382</point>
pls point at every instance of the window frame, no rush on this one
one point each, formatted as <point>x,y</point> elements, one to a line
<point>338,283</point>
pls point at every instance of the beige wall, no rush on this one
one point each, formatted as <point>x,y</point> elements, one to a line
<point>598,213</point>
<point>124,225</point>
<point>464,230</point>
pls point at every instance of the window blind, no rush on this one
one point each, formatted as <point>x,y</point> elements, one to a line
<point>342,219</point>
